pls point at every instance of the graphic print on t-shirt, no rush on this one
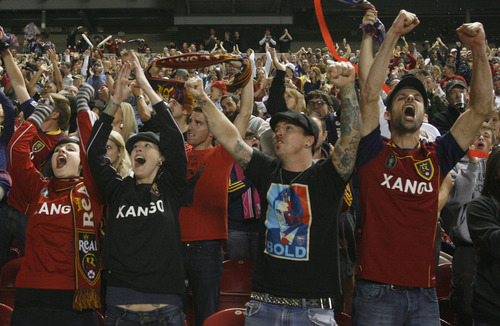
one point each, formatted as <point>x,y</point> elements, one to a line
<point>288,222</point>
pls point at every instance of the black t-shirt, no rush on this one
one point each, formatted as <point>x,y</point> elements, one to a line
<point>298,234</point>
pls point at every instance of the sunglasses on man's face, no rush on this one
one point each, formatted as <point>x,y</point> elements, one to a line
<point>314,103</point>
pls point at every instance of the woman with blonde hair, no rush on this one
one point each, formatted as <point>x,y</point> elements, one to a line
<point>124,121</point>
<point>295,100</point>
<point>315,80</point>
<point>117,154</point>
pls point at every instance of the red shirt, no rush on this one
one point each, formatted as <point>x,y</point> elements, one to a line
<point>205,218</point>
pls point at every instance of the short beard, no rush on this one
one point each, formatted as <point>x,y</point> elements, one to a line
<point>233,116</point>
<point>399,128</point>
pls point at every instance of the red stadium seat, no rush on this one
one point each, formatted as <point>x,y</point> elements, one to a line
<point>9,272</point>
<point>237,276</point>
<point>343,319</point>
<point>228,317</point>
<point>5,312</point>
<point>236,283</point>
<point>444,323</point>
<point>100,318</point>
<point>443,281</point>
<point>7,296</point>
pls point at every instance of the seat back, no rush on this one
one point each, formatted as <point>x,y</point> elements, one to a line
<point>5,313</point>
<point>237,276</point>
<point>228,317</point>
<point>343,319</point>
<point>443,281</point>
<point>9,272</point>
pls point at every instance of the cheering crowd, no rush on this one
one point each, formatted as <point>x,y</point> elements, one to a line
<point>125,175</point>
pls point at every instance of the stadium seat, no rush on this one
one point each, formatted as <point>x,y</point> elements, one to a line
<point>14,251</point>
<point>5,312</point>
<point>443,281</point>
<point>9,272</point>
<point>237,276</point>
<point>343,319</point>
<point>228,317</point>
<point>236,283</point>
<point>444,323</point>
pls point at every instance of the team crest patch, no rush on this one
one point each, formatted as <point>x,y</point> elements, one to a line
<point>38,146</point>
<point>45,192</point>
<point>425,169</point>
<point>155,191</point>
<point>390,162</point>
<point>87,246</point>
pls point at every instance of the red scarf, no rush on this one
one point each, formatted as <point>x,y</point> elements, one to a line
<point>175,89</point>
<point>87,266</point>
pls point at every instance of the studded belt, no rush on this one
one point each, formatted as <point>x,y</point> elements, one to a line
<point>395,287</point>
<point>323,303</point>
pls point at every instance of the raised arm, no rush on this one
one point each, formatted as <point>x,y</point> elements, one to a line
<point>223,130</point>
<point>366,50</point>
<point>370,109</point>
<point>55,65</point>
<point>15,75</point>
<point>344,155</point>
<point>480,104</point>
<point>246,108</point>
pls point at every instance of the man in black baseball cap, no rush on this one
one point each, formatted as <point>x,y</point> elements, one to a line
<point>458,98</point>
<point>300,204</point>
<point>406,105</point>
<point>297,119</point>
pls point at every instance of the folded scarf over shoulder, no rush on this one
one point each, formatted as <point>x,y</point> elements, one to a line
<point>169,88</point>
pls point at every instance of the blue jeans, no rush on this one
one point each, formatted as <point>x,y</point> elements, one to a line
<point>259,313</point>
<point>12,224</point>
<point>377,304</point>
<point>37,317</point>
<point>242,244</point>
<point>167,316</point>
<point>203,267</point>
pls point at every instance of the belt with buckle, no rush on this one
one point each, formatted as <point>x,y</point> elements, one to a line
<point>397,287</point>
<point>323,303</point>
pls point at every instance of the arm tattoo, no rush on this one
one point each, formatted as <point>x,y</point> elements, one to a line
<point>111,108</point>
<point>344,155</point>
<point>202,102</point>
<point>242,153</point>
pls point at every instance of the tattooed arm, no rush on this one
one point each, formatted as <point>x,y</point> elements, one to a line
<point>221,128</point>
<point>344,154</point>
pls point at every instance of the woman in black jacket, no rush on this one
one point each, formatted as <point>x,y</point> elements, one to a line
<point>483,217</point>
<point>141,251</point>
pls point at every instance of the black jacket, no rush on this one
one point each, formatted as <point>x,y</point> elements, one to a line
<point>142,247</point>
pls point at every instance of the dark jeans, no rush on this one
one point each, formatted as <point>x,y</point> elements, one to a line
<point>12,224</point>
<point>242,244</point>
<point>34,317</point>
<point>377,304</point>
<point>167,316</point>
<point>203,267</point>
<point>463,268</point>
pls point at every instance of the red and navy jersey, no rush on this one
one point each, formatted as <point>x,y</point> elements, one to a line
<point>41,145</point>
<point>399,194</point>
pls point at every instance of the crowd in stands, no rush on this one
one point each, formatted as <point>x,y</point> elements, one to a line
<point>99,170</point>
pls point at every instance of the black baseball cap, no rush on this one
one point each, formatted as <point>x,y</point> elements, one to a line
<point>297,119</point>
<point>146,136</point>
<point>455,83</point>
<point>409,81</point>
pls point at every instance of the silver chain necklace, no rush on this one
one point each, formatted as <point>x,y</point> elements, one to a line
<point>286,191</point>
